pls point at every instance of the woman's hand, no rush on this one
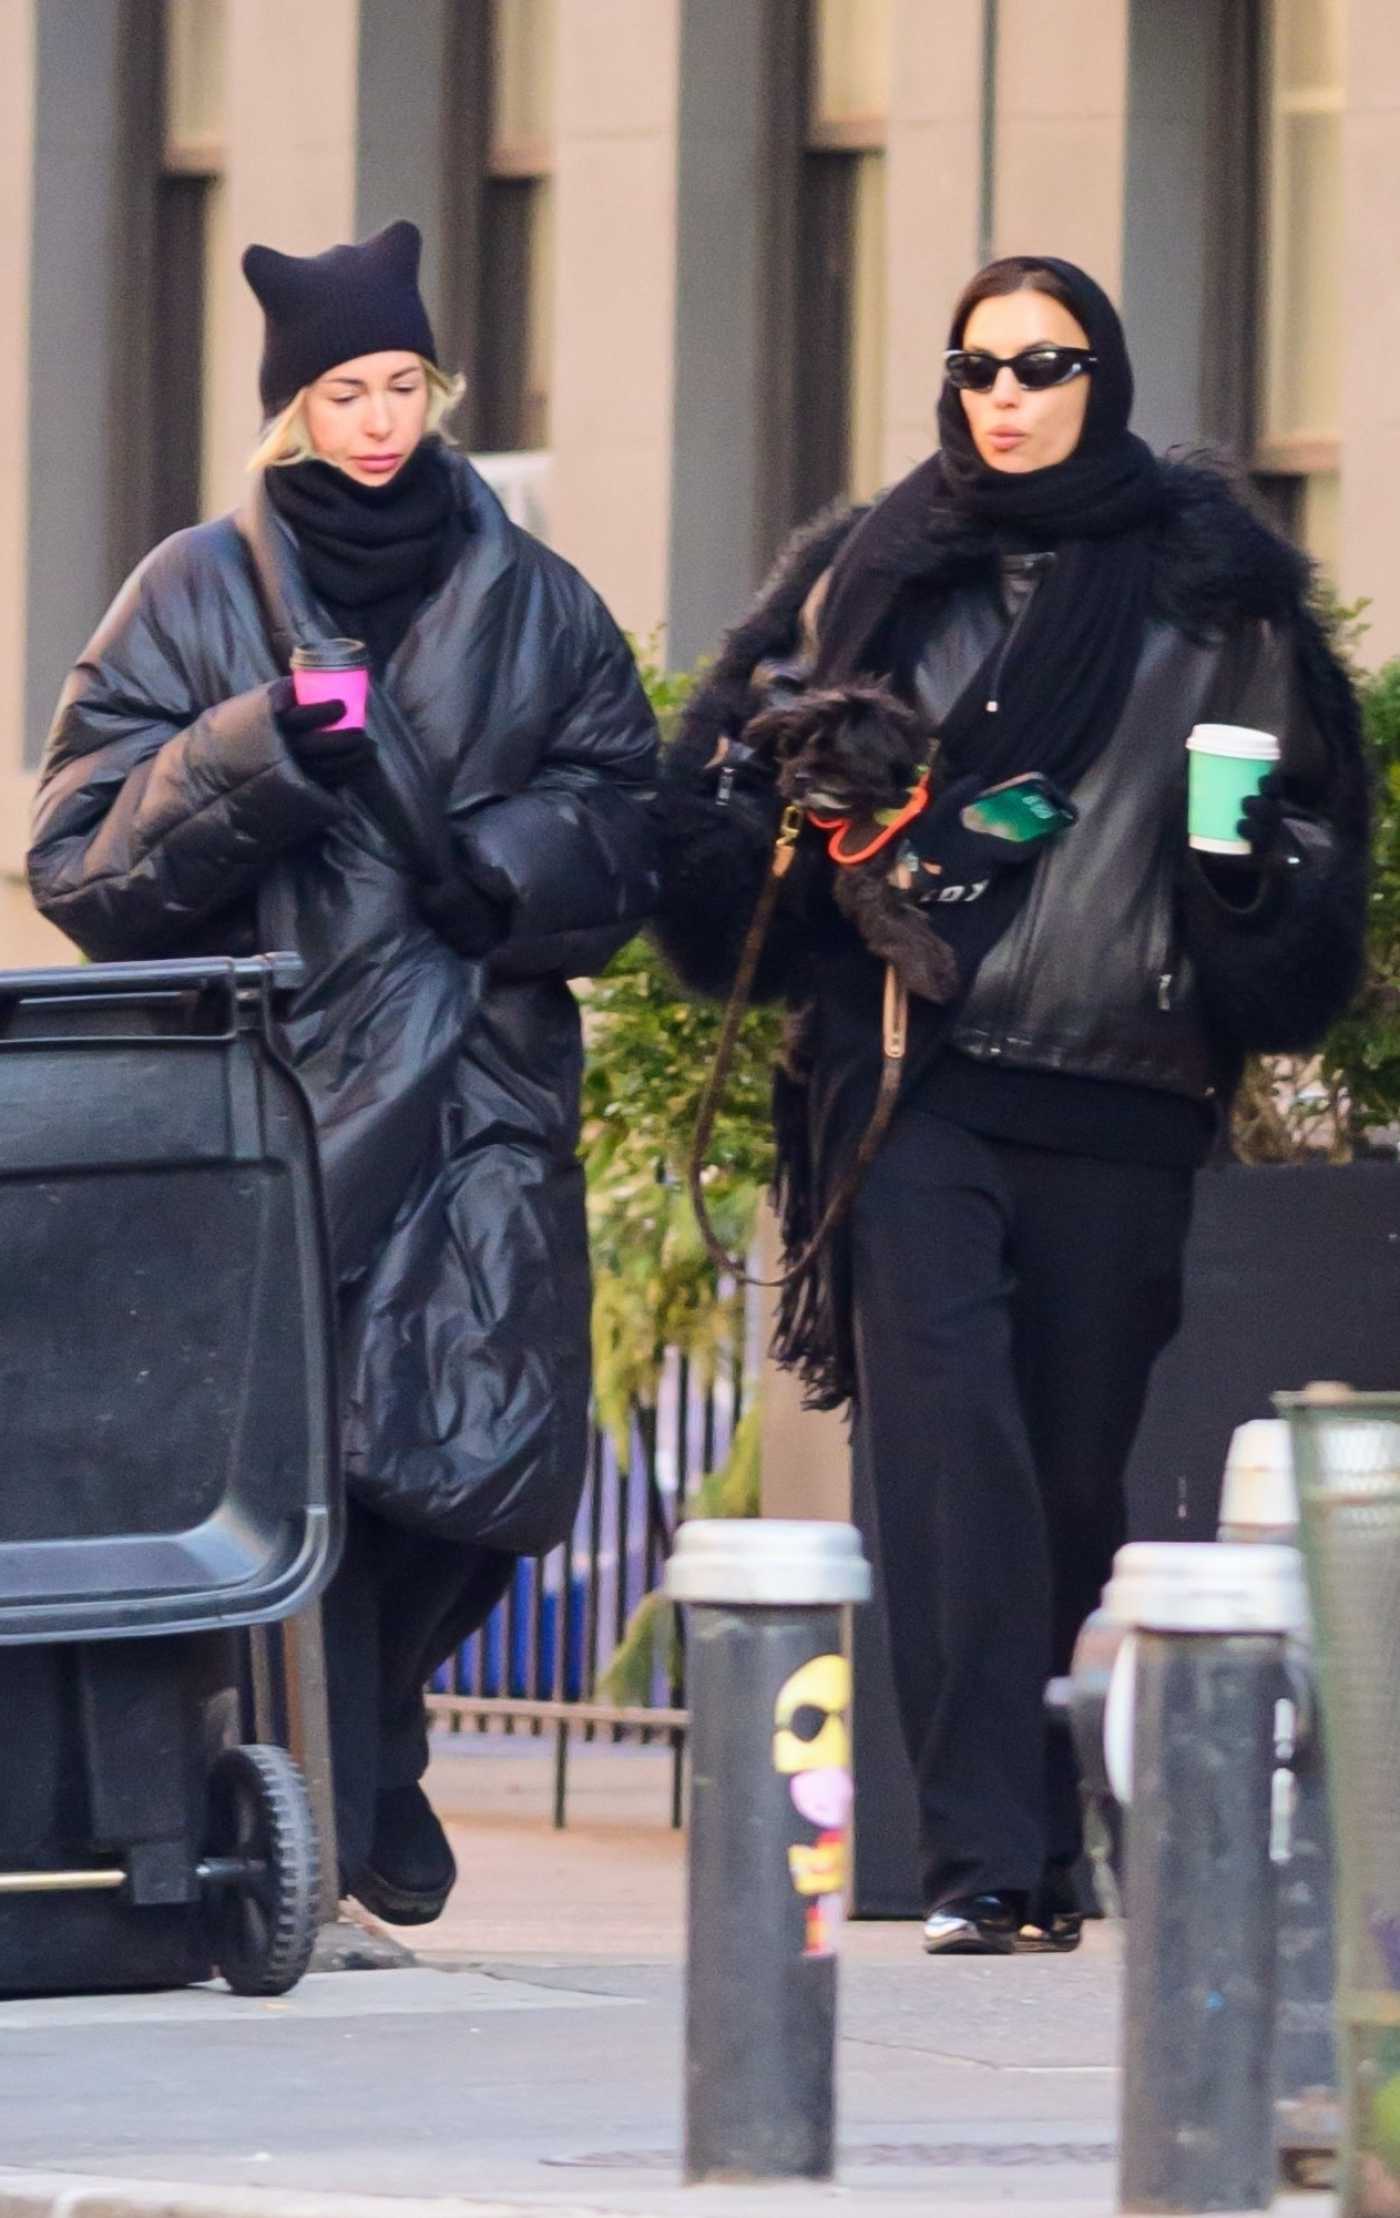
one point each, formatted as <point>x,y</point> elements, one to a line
<point>469,920</point>
<point>1281,833</point>
<point>945,858</point>
<point>331,757</point>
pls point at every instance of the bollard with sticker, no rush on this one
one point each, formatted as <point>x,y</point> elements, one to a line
<point>769,1688</point>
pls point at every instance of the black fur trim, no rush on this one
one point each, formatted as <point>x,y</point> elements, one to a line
<point>727,700</point>
<point>1273,979</point>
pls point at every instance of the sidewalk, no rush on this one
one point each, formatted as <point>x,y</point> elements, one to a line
<point>531,2062</point>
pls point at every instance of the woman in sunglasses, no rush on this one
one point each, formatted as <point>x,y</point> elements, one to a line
<point>1048,610</point>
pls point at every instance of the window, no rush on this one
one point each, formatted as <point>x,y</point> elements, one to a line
<point>514,337</point>
<point>187,208</point>
<point>841,253</point>
<point>1300,391</point>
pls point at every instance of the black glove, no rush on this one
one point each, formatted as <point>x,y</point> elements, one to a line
<point>469,920</point>
<point>330,757</point>
<point>735,766</point>
<point>948,860</point>
<point>1281,833</point>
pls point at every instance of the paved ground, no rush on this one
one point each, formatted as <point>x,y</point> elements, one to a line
<point>530,2062</point>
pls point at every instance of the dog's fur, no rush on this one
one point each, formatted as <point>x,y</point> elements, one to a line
<point>854,752</point>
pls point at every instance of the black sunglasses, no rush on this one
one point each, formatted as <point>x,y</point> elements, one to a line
<point>1035,369</point>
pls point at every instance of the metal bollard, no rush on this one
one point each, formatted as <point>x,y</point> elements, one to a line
<point>1210,1623</point>
<point>1347,1455</point>
<point>769,1689</point>
<point>1259,1502</point>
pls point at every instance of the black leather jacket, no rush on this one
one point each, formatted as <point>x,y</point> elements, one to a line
<point>1129,960</point>
<point>1096,975</point>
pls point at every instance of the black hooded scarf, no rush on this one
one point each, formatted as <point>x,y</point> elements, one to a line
<point>1062,686</point>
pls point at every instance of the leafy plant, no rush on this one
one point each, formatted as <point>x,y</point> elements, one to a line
<point>1345,1100</point>
<point>649,1050</point>
<point>1360,1059</point>
<point>654,1285</point>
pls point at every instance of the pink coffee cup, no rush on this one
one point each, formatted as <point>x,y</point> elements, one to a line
<point>334,670</point>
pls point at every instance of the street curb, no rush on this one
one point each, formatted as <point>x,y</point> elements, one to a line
<point>71,2195</point>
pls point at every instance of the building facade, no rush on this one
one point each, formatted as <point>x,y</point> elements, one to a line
<point>695,256</point>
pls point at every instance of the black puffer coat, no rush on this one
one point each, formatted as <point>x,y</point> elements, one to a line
<point>511,732</point>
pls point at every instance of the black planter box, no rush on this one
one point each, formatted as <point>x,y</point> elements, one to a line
<point>1292,1274</point>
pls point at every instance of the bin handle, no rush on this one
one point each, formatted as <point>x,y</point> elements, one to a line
<point>262,974</point>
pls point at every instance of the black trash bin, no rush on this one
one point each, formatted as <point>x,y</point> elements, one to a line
<point>168,1472</point>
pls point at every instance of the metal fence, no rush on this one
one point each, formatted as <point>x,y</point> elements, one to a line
<point>536,1665</point>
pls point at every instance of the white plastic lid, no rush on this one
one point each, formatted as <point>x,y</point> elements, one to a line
<point>1208,1586</point>
<point>767,1561</point>
<point>1234,739</point>
<point>1259,1489</point>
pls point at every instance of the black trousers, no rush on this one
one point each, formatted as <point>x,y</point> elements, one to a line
<point>400,1604</point>
<point>1009,1305</point>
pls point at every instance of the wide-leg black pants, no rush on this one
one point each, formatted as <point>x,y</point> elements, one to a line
<point>1009,1304</point>
<point>400,1604</point>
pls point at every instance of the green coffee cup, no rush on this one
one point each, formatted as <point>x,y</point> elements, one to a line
<point>1228,763</point>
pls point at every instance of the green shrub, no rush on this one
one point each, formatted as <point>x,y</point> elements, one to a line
<point>649,1051</point>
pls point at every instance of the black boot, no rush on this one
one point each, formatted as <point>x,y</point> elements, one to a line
<point>975,1925</point>
<point>410,1871</point>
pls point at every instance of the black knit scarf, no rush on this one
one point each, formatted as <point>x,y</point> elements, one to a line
<point>372,553</point>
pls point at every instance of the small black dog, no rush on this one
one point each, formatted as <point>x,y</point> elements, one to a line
<point>855,753</point>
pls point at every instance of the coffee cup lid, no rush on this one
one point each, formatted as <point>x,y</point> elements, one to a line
<point>1234,739</point>
<point>331,654</point>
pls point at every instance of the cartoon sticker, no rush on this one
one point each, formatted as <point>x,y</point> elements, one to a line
<point>812,1751</point>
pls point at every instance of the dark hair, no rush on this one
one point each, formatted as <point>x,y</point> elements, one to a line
<point>1015,273</point>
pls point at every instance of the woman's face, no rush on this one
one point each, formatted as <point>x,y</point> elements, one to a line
<point>1014,430</point>
<point>367,416</point>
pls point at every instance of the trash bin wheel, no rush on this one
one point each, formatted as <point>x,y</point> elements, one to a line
<point>262,1919</point>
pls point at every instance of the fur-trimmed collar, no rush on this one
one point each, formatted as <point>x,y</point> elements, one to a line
<point>1217,564</point>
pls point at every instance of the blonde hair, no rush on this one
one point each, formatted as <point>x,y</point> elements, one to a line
<point>286,439</point>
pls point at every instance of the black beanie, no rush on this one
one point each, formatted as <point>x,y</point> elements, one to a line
<point>322,309</point>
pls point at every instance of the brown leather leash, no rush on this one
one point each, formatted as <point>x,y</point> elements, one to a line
<point>895,1022</point>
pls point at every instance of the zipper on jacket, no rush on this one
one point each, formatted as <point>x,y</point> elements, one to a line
<point>1002,1030</point>
<point>993,704</point>
<point>1165,983</point>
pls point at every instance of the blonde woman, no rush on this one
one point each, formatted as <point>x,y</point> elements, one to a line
<point>443,868</point>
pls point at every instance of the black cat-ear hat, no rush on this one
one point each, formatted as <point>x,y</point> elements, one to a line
<point>322,309</point>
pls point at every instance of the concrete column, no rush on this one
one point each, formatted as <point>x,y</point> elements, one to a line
<point>1191,222</point>
<point>724,313</point>
<point>17,87</point>
<point>932,195</point>
<point>1062,88</point>
<point>79,267</point>
<point>1165,234</point>
<point>615,311</point>
<point>44,393</point>
<point>289,181</point>
<point>1370,429</point>
<point>404,100</point>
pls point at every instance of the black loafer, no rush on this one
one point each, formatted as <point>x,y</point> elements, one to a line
<point>975,1925</point>
<point>1054,1921</point>
<point>410,1871</point>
